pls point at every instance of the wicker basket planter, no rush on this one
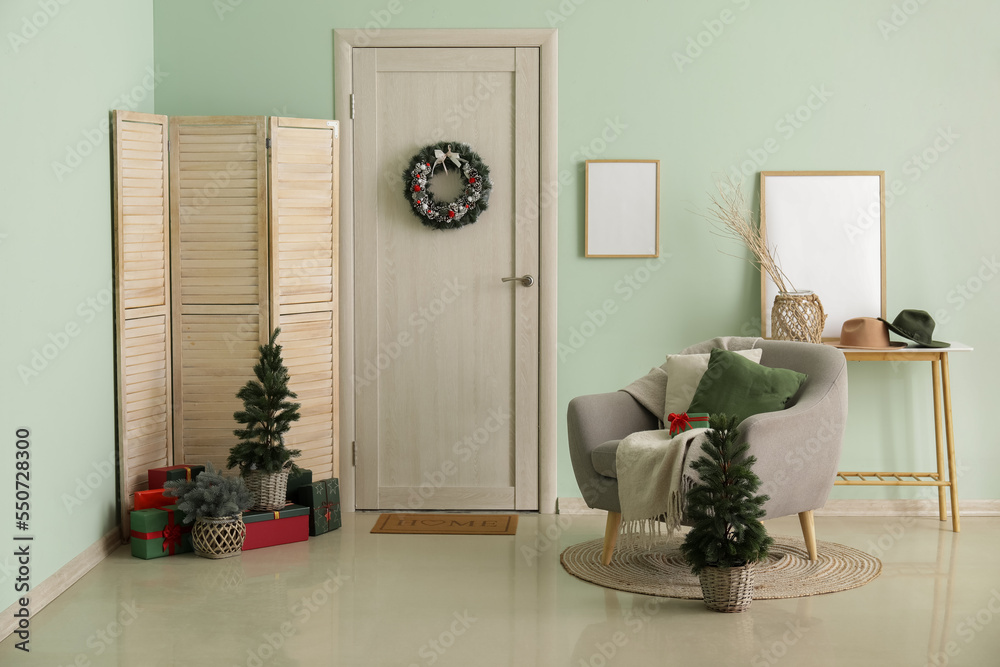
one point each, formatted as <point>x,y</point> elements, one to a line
<point>218,537</point>
<point>797,316</point>
<point>267,489</point>
<point>727,589</point>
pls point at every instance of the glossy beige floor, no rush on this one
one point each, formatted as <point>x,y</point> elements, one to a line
<point>351,598</point>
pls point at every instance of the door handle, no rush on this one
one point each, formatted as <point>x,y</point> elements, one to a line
<point>525,280</point>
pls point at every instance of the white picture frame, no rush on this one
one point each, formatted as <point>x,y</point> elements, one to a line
<point>827,230</point>
<point>622,208</point>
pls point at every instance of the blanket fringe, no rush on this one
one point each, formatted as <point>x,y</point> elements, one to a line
<point>645,534</point>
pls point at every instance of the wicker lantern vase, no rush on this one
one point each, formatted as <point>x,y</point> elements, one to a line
<point>727,589</point>
<point>797,316</point>
<point>267,489</point>
<point>218,537</point>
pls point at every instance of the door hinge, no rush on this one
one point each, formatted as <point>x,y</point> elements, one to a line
<point>267,143</point>
<point>352,106</point>
<point>354,453</point>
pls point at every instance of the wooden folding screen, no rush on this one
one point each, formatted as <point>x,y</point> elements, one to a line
<point>303,201</point>
<point>218,200</point>
<point>251,246</point>
<point>142,304</point>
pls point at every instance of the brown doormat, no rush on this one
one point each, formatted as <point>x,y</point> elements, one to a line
<point>446,524</point>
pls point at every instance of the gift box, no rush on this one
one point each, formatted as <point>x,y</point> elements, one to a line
<point>152,499</point>
<point>323,500</point>
<point>297,480</point>
<point>284,526</point>
<point>158,477</point>
<point>159,532</point>
<point>687,421</point>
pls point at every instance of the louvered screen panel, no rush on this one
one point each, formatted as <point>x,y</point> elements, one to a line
<point>219,185</point>
<point>217,354</point>
<point>221,293</point>
<point>302,209</point>
<point>142,299</point>
<point>307,341</point>
<point>304,188</point>
<point>146,395</point>
<point>142,196</point>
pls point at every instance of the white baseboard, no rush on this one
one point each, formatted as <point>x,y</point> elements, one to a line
<point>575,506</point>
<point>847,507</point>
<point>62,579</point>
<point>861,507</point>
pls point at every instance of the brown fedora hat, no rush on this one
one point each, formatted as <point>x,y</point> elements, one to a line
<point>865,333</point>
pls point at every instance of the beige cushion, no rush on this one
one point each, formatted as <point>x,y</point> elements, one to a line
<point>684,372</point>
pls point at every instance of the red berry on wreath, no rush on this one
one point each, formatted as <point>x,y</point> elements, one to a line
<point>416,188</point>
<point>451,214</point>
<point>472,180</point>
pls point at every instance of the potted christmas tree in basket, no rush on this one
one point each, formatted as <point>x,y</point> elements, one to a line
<point>726,538</point>
<point>216,505</point>
<point>267,414</point>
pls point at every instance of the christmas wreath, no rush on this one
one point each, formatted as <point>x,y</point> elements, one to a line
<point>466,208</point>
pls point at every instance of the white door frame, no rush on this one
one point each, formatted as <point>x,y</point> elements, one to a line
<point>344,42</point>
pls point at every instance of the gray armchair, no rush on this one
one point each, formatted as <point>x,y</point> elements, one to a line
<point>797,449</point>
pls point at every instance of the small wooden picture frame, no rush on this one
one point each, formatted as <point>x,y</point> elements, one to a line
<point>622,202</point>
<point>827,230</point>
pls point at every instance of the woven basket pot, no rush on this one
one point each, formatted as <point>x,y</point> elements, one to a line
<point>267,489</point>
<point>727,589</point>
<point>218,537</point>
<point>797,316</point>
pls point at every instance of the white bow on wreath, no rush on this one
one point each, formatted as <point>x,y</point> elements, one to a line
<point>442,159</point>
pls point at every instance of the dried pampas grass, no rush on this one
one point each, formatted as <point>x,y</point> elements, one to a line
<point>733,219</point>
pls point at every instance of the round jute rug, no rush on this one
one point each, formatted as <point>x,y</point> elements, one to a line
<point>663,572</point>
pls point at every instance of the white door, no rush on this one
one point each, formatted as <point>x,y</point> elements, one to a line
<point>446,363</point>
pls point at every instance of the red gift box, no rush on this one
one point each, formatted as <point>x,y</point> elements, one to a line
<point>152,499</point>
<point>687,421</point>
<point>268,529</point>
<point>158,476</point>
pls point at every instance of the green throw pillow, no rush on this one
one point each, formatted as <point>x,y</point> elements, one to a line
<point>734,385</point>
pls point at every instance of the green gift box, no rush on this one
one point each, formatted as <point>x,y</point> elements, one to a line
<point>686,421</point>
<point>159,532</point>
<point>296,480</point>
<point>323,500</point>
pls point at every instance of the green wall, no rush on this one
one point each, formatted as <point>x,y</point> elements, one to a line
<point>885,79</point>
<point>63,66</point>
<point>891,94</point>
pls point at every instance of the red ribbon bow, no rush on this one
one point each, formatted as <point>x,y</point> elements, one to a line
<point>171,537</point>
<point>678,423</point>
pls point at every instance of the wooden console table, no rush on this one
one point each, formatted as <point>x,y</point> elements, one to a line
<point>944,433</point>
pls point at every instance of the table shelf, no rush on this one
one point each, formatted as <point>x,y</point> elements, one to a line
<point>890,479</point>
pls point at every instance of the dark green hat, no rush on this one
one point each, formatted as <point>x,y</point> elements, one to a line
<point>917,325</point>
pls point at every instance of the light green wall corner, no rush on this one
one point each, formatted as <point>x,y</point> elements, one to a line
<point>858,84</point>
<point>63,66</point>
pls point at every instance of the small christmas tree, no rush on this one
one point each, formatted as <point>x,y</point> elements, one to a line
<point>268,414</point>
<point>723,510</point>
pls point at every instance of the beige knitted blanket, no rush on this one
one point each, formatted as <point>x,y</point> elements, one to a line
<point>649,466</point>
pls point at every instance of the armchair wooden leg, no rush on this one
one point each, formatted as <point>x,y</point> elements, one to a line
<point>808,532</point>
<point>610,536</point>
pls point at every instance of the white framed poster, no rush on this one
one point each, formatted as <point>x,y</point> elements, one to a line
<point>622,203</point>
<point>827,232</point>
